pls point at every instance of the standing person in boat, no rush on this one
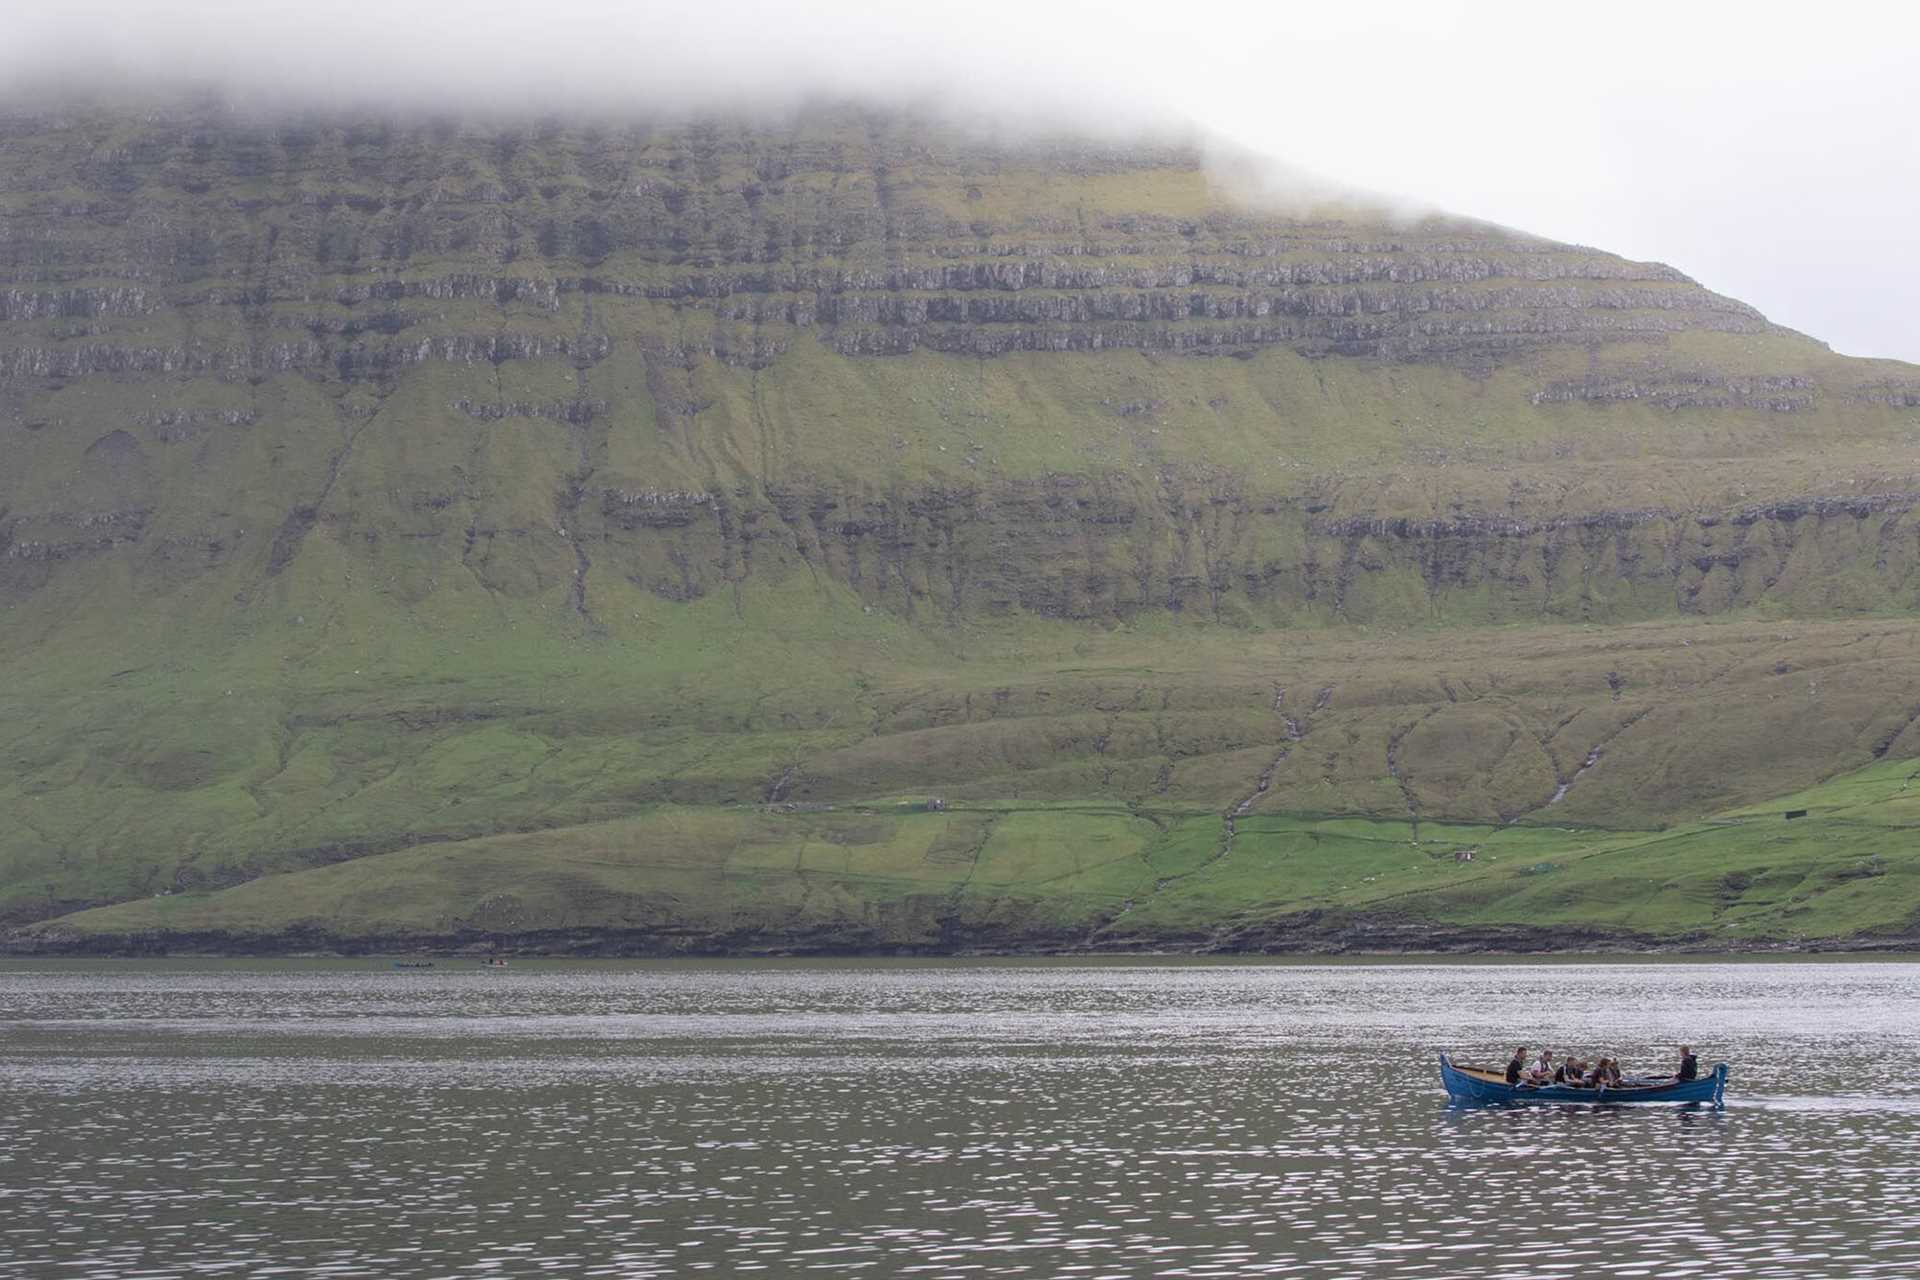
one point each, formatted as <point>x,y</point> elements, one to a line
<point>1517,1065</point>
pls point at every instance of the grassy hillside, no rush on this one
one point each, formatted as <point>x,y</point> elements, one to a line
<point>743,782</point>
<point>888,876</point>
<point>450,531</point>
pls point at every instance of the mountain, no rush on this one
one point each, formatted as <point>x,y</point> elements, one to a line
<point>860,531</point>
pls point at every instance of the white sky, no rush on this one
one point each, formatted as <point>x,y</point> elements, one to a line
<point>1772,152</point>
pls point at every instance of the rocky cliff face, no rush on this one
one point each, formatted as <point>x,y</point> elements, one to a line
<point>874,235</point>
<point>181,284</point>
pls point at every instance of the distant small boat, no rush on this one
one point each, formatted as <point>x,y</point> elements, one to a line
<point>413,964</point>
<point>493,963</point>
<point>1482,1086</point>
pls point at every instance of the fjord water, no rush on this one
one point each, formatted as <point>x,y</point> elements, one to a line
<point>1065,1118</point>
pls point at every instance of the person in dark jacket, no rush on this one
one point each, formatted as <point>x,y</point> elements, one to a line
<point>1519,1064</point>
<point>1689,1065</point>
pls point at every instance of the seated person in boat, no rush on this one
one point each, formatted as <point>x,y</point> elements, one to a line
<point>1542,1072</point>
<point>1517,1065</point>
<point>1689,1065</point>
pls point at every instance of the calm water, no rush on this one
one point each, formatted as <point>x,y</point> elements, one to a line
<point>1042,1119</point>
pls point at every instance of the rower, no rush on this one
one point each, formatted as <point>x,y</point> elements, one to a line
<point>1519,1064</point>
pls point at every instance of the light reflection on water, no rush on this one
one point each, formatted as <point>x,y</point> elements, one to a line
<point>932,1120</point>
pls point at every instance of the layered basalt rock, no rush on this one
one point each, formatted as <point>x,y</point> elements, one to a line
<point>174,283</point>
<point>1783,393</point>
<point>1094,549</point>
<point>877,235</point>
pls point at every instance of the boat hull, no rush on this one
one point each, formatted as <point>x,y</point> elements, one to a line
<point>1468,1089</point>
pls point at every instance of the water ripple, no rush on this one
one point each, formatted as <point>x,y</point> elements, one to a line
<point>1066,1119</point>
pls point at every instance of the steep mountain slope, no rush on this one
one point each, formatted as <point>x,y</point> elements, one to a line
<point>372,483</point>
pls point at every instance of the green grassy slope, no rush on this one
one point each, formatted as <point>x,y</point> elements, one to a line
<point>396,515</point>
<point>1077,768</point>
<point>887,876</point>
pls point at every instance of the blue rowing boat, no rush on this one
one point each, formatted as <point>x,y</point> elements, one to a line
<point>1481,1086</point>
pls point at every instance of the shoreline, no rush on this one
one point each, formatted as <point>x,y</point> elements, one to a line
<point>1357,940</point>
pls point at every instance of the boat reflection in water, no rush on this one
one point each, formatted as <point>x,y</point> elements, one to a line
<point>1481,1086</point>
